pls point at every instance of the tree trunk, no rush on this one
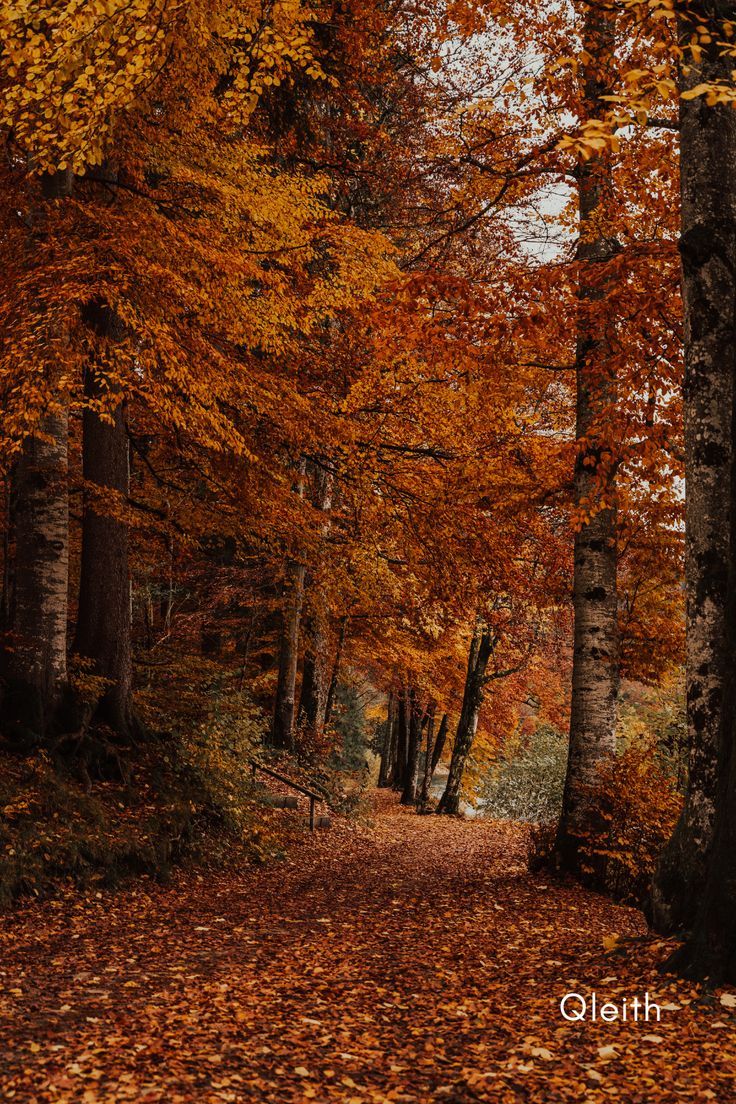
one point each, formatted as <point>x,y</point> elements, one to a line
<point>104,622</point>
<point>595,673</point>
<point>282,734</point>
<point>313,696</point>
<point>402,741</point>
<point>385,774</point>
<point>708,252</point>
<point>411,779</point>
<point>35,665</point>
<point>335,678</point>
<point>481,648</point>
<point>314,691</point>
<point>429,750</point>
<point>439,744</point>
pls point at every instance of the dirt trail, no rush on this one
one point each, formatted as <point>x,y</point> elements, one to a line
<point>414,960</point>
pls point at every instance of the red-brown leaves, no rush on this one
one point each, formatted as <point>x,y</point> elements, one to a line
<point>413,961</point>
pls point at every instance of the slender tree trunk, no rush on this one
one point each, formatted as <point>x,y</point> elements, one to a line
<point>595,671</point>
<point>481,649</point>
<point>439,744</point>
<point>335,678</point>
<point>387,746</point>
<point>104,623</point>
<point>402,740</point>
<point>282,735</point>
<point>35,665</point>
<point>708,252</point>
<point>428,753</point>
<point>313,697</point>
<point>414,746</point>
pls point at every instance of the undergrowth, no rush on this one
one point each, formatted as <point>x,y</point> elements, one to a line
<point>186,793</point>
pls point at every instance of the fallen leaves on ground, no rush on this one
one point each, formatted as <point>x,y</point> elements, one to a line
<point>412,961</point>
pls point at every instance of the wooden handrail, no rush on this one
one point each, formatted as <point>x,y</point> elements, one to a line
<point>313,797</point>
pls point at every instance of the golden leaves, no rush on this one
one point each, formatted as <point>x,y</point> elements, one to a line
<point>66,82</point>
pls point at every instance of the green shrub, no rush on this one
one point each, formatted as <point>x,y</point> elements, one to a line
<point>526,784</point>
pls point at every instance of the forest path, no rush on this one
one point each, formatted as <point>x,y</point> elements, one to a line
<point>415,960</point>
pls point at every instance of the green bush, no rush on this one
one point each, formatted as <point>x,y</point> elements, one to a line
<point>526,784</point>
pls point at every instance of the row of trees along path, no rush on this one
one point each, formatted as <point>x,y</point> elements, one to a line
<point>208,401</point>
<point>413,960</point>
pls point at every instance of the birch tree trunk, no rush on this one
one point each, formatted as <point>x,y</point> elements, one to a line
<point>35,665</point>
<point>481,648</point>
<point>595,672</point>
<point>708,252</point>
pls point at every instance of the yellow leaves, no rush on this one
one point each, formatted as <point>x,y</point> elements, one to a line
<point>67,82</point>
<point>65,86</point>
<point>714,93</point>
<point>594,137</point>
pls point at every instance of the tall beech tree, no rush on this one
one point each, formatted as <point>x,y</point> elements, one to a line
<point>428,771</point>
<point>315,673</point>
<point>36,661</point>
<point>595,670</point>
<point>695,883</point>
<point>103,632</point>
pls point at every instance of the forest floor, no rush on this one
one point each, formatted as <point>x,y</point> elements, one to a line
<point>409,959</point>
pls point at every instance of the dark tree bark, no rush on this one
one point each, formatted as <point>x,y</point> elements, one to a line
<point>388,746</point>
<point>402,740</point>
<point>313,695</point>
<point>696,878</point>
<point>282,733</point>
<point>439,744</point>
<point>104,622</point>
<point>481,649</point>
<point>35,667</point>
<point>414,747</point>
<point>335,677</point>
<point>595,673</point>
<point>315,688</point>
<point>428,754</point>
